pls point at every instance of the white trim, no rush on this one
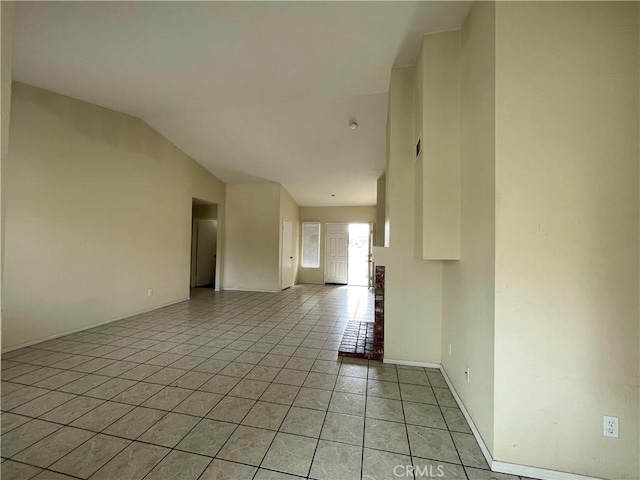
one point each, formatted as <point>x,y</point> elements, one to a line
<point>504,467</point>
<point>535,472</point>
<point>467,416</point>
<point>250,290</point>
<point>93,325</point>
<point>410,363</point>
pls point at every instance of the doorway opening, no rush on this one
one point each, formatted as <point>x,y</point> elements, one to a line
<point>359,254</point>
<point>204,244</point>
<point>347,254</point>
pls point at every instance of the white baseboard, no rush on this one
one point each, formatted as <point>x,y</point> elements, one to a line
<point>409,363</point>
<point>504,467</point>
<point>535,472</point>
<point>465,412</point>
<point>93,325</point>
<point>229,289</point>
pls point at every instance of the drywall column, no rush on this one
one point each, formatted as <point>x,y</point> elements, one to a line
<point>468,284</point>
<point>252,238</point>
<point>567,214</point>
<point>379,240</point>
<point>438,169</point>
<point>6,52</point>
<point>413,288</point>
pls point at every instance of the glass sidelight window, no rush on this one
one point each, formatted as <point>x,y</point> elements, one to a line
<point>311,244</point>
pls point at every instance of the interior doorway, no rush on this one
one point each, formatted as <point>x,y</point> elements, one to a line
<point>359,254</point>
<point>347,254</point>
<point>204,243</point>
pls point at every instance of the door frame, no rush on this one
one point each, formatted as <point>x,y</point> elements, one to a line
<point>282,256</point>
<point>220,240</point>
<point>324,259</point>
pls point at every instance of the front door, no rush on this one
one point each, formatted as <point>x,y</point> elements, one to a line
<point>335,253</point>
<point>287,253</point>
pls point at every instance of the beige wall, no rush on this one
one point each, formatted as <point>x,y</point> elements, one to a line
<point>379,239</point>
<point>566,314</point>
<point>6,53</point>
<point>252,259</point>
<point>468,285</point>
<point>98,212</point>
<point>413,287</point>
<point>438,170</point>
<point>289,209</point>
<point>330,215</point>
<point>543,306</point>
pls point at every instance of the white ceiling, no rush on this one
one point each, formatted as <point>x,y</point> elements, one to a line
<point>253,91</point>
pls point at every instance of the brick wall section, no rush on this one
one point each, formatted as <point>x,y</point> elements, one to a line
<point>378,336</point>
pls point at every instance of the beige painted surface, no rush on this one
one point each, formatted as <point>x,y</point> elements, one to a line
<point>413,287</point>
<point>98,212</point>
<point>567,236</point>
<point>439,207</point>
<point>330,215</point>
<point>378,240</point>
<point>251,259</point>
<point>289,209</point>
<point>468,285</point>
<point>418,168</point>
<point>6,53</point>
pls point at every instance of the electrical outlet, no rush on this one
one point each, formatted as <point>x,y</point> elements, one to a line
<point>149,293</point>
<point>467,373</point>
<point>449,349</point>
<point>611,426</point>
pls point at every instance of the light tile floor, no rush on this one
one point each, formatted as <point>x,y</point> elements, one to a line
<point>229,385</point>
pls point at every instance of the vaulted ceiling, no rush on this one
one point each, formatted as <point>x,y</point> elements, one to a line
<point>253,91</point>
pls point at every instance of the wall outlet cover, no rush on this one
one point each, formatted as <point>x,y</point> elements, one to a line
<point>611,426</point>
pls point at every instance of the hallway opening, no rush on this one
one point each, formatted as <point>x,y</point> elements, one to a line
<point>204,244</point>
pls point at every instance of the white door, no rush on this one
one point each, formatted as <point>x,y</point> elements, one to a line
<point>287,253</point>
<point>206,251</point>
<point>335,253</point>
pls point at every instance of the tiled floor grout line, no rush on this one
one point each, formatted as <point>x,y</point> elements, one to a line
<point>43,469</point>
<point>306,323</point>
<point>406,427</point>
<point>462,465</point>
<point>149,349</point>
<point>138,381</point>
<point>364,427</point>
<point>324,420</point>
<point>166,412</point>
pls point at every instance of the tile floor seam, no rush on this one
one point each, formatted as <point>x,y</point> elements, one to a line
<point>366,400</point>
<point>464,470</point>
<point>307,327</point>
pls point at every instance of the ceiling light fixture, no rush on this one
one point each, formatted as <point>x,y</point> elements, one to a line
<point>353,125</point>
